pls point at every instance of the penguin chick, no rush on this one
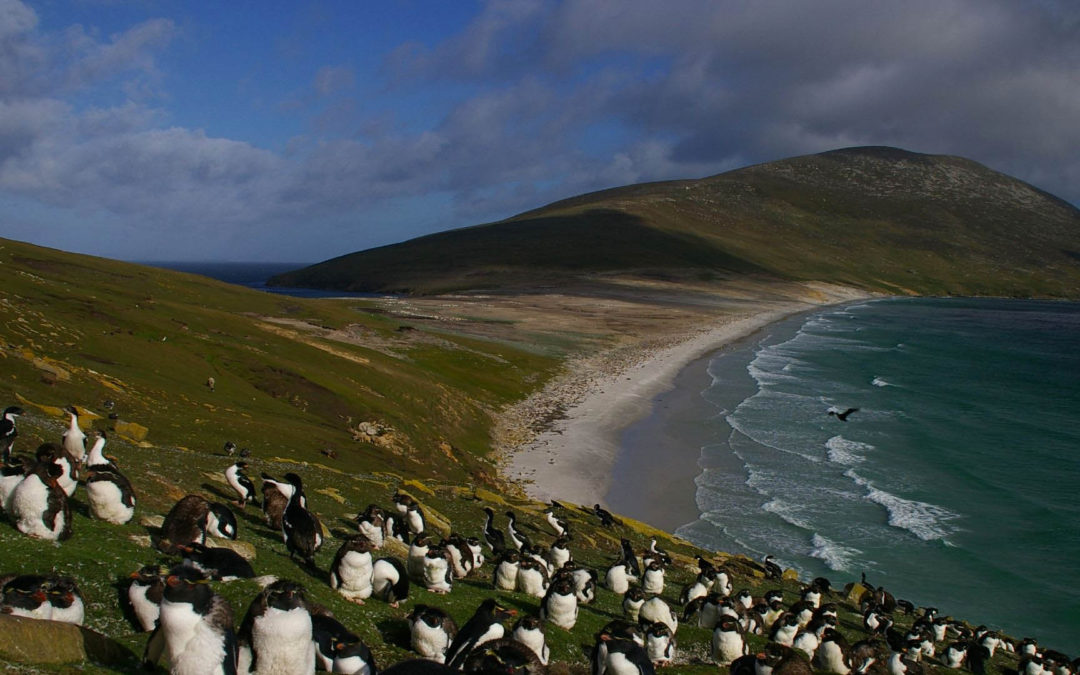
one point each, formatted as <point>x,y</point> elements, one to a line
<point>659,644</point>
<point>277,630</point>
<point>352,571</point>
<point>529,631</point>
<point>728,641</point>
<point>389,581</point>
<point>560,605</point>
<point>503,656</point>
<point>431,632</point>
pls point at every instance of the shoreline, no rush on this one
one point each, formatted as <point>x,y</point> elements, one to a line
<point>573,460</point>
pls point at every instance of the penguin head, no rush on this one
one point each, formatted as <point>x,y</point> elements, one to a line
<point>529,623</point>
<point>62,592</point>
<point>634,594</point>
<point>294,480</point>
<point>147,575</point>
<point>658,630</point>
<point>185,584</point>
<point>221,522</point>
<point>13,411</point>
<point>285,595</point>
<point>26,592</point>
<point>728,623</point>
<point>490,607</point>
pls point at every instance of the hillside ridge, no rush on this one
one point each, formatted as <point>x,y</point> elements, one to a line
<point>879,218</point>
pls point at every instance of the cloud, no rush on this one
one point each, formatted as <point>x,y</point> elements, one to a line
<point>532,101</point>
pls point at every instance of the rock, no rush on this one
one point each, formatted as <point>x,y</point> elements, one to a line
<point>25,640</point>
<point>131,430</point>
<point>419,486</point>
<point>790,575</point>
<point>152,521</point>
<point>854,592</point>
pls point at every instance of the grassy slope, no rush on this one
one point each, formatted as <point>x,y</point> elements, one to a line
<point>80,330</point>
<point>876,218</point>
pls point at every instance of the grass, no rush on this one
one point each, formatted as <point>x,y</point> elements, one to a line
<point>82,330</point>
<point>875,218</point>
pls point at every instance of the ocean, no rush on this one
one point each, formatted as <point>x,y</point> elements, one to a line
<point>954,484</point>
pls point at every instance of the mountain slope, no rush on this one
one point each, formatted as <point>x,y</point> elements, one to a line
<point>878,218</point>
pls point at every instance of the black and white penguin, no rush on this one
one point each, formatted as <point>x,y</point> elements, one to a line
<point>414,518</point>
<point>632,601</point>
<point>659,644</point>
<point>352,570</point>
<point>66,600</point>
<point>431,632</point>
<point>615,630</point>
<point>389,581</point>
<point>629,557</point>
<point>652,581</point>
<point>504,655</point>
<point>195,627</point>
<point>299,527</point>
<point>558,554</point>
<point>617,578</point>
<point>238,480</point>
<point>606,519</point>
<point>216,562</point>
<point>10,476</point>
<point>772,570</point>
<point>532,578</point>
<point>807,642</point>
<point>461,557</point>
<point>370,523</point>
<point>229,448</point>
<point>276,634</point>
<point>354,658</point>
<point>329,635</point>
<point>108,491</point>
<point>437,573</point>
<point>192,519</point>
<point>585,581</point>
<point>558,525</point>
<point>402,502</point>
<point>954,655</point>
<point>832,653</point>
<point>728,641</point>
<point>39,506</point>
<point>655,609</point>
<point>8,432</point>
<point>25,595</point>
<point>505,576</point>
<point>517,537</point>
<point>784,629</point>
<point>493,535</point>
<point>477,552</point>
<point>484,625</point>
<point>560,604</point>
<point>73,440</point>
<point>618,656</point>
<point>418,551</point>
<point>142,599</point>
<point>529,631</point>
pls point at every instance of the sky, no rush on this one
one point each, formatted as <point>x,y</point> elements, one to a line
<point>300,131</point>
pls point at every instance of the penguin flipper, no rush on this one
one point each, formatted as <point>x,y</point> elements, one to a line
<point>155,646</point>
<point>231,649</point>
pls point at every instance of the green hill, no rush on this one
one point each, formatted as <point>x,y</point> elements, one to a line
<point>877,218</point>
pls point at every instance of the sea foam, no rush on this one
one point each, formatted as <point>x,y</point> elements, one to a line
<point>846,452</point>
<point>836,557</point>
<point>926,521</point>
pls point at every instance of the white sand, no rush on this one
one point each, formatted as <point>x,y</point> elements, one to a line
<point>573,461</point>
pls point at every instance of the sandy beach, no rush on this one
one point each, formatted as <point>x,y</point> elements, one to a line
<point>573,459</point>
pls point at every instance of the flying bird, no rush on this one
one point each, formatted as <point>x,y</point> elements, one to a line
<point>842,416</point>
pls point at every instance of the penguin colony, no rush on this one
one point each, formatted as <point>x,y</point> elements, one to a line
<point>393,557</point>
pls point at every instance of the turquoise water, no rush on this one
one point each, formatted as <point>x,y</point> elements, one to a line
<point>953,485</point>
